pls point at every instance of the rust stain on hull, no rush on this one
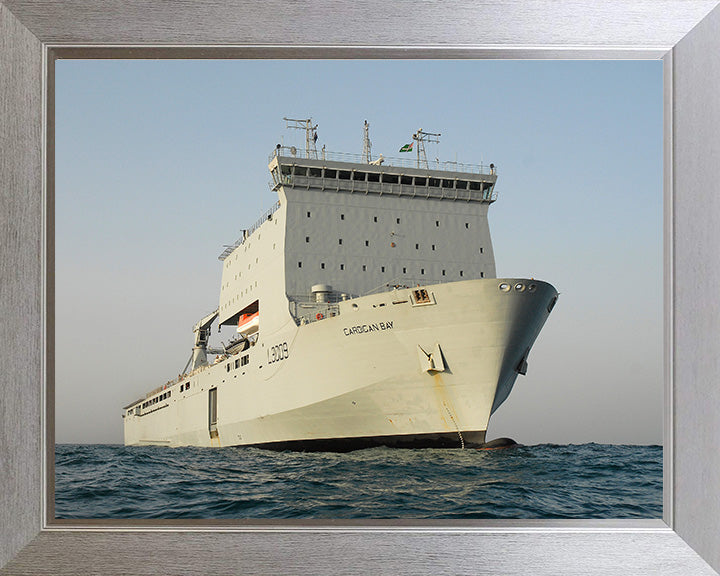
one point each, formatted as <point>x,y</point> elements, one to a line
<point>444,405</point>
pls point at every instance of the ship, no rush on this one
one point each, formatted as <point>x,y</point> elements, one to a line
<point>367,312</point>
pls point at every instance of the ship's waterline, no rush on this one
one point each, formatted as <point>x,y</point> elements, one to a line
<point>422,361</point>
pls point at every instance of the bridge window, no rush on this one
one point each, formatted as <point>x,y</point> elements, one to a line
<point>461,185</point>
<point>475,185</point>
<point>300,171</point>
<point>390,178</point>
<point>315,172</point>
<point>448,183</point>
<point>406,179</point>
<point>434,182</point>
<point>359,176</point>
<point>344,175</point>
<point>330,173</point>
<point>420,181</point>
<point>373,177</point>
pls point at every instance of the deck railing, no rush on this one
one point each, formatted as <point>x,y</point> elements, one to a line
<point>409,162</point>
<point>247,233</point>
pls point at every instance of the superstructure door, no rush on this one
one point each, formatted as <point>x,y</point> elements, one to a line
<point>212,412</point>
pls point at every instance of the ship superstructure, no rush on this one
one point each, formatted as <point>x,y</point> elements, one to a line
<point>367,312</point>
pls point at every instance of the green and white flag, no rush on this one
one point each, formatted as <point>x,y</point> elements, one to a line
<point>407,148</point>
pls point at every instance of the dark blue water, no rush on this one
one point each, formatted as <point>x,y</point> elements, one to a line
<point>545,481</point>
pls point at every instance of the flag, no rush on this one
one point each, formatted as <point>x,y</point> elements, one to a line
<point>407,148</point>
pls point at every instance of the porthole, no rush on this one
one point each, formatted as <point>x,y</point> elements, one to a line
<point>519,287</point>
<point>504,287</point>
<point>532,287</point>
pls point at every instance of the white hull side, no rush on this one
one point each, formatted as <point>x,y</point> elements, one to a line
<point>336,383</point>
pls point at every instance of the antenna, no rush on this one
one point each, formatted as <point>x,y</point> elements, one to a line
<point>310,134</point>
<point>421,138</point>
<point>367,145</point>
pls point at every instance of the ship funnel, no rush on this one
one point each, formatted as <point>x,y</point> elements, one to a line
<point>321,292</point>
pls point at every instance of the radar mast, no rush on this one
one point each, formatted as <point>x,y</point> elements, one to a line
<point>310,134</point>
<point>367,145</point>
<point>422,137</point>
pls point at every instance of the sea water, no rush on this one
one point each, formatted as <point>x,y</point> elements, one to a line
<point>543,481</point>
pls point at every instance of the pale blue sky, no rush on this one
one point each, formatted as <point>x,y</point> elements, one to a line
<point>160,163</point>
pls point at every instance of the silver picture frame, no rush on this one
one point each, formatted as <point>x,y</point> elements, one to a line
<point>685,34</point>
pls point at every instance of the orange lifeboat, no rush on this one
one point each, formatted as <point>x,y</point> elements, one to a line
<point>249,324</point>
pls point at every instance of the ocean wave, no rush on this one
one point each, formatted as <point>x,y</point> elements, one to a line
<point>544,481</point>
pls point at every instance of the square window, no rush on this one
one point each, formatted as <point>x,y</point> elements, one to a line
<point>422,270</point>
<point>397,220</point>
<point>482,274</point>
<point>299,264</point>
<point>342,266</point>
<point>340,241</point>
<point>481,250</point>
<point>404,270</point>
<point>308,214</point>
<point>367,242</point>
<point>417,246</point>
<point>342,216</point>
<point>443,272</point>
<point>467,225</point>
<point>322,265</point>
<point>437,222</point>
<point>307,239</point>
<point>364,268</point>
<point>433,246</point>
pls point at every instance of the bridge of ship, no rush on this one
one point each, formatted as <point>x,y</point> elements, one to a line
<point>395,176</point>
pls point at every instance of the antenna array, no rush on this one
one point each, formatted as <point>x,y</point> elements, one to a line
<point>310,134</point>
<point>422,137</point>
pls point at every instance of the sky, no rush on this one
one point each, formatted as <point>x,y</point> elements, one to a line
<point>160,163</point>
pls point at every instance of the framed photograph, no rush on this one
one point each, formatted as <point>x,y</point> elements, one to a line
<point>161,165</point>
<point>33,40</point>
